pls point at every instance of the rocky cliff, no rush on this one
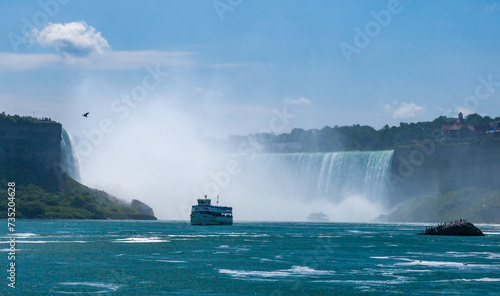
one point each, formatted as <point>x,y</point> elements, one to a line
<point>29,149</point>
<point>439,181</point>
<point>30,156</point>
<point>433,168</point>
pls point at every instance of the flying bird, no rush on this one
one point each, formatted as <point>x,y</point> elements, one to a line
<point>85,114</point>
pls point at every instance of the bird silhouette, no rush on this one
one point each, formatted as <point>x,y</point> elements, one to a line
<point>85,114</point>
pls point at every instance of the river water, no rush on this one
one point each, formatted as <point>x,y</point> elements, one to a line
<point>68,257</point>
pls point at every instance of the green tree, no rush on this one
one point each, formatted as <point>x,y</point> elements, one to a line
<point>77,202</point>
<point>33,209</point>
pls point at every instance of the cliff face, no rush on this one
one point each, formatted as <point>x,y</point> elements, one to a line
<point>29,149</point>
<point>142,207</point>
<point>436,169</point>
<point>30,156</point>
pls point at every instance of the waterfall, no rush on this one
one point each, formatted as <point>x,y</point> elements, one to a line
<point>331,176</point>
<point>346,186</point>
<point>69,158</point>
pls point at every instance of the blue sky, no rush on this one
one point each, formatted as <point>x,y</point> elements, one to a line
<point>231,62</point>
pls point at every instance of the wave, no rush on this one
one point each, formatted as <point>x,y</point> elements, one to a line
<point>89,287</point>
<point>141,240</point>
<point>295,271</point>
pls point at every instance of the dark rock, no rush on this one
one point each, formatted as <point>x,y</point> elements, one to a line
<point>142,207</point>
<point>463,228</point>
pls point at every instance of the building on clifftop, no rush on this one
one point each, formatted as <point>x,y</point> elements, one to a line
<point>461,129</point>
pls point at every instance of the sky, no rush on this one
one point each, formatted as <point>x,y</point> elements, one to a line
<point>188,70</point>
<point>328,62</point>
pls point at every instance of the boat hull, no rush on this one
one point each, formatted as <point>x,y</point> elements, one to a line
<point>208,219</point>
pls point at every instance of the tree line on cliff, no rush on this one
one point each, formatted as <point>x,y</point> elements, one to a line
<point>354,137</point>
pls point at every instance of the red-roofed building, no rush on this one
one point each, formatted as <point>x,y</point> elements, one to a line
<point>461,129</point>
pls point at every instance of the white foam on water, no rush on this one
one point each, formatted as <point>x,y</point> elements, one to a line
<point>471,280</point>
<point>249,235</point>
<point>359,231</point>
<point>265,260</point>
<point>492,233</point>
<point>487,255</point>
<point>194,235</point>
<point>304,270</point>
<point>8,250</point>
<point>459,254</point>
<point>35,242</point>
<point>28,234</point>
<point>43,241</point>
<point>97,286</point>
<point>441,264</point>
<point>412,270</point>
<point>140,240</point>
<point>492,255</point>
<point>486,280</point>
<point>228,234</point>
<point>171,261</point>
<point>381,257</point>
<point>295,271</point>
<point>368,282</point>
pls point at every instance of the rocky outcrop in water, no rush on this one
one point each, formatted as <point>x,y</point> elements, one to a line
<point>142,207</point>
<point>463,228</point>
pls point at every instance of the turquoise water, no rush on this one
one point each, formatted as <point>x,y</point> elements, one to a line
<point>57,257</point>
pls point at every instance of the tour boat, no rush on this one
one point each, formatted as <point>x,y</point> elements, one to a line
<point>317,217</point>
<point>207,214</point>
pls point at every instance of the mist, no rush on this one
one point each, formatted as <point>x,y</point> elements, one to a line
<point>163,150</point>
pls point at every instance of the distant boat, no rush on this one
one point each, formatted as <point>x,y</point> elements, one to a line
<point>206,214</point>
<point>317,217</point>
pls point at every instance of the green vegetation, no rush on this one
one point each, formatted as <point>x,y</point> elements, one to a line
<point>72,201</point>
<point>472,204</point>
<point>358,137</point>
<point>16,119</point>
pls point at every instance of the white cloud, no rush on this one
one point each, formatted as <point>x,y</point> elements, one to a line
<point>404,110</point>
<point>76,39</point>
<point>136,59</point>
<point>299,101</point>
<point>17,62</point>
<point>118,60</point>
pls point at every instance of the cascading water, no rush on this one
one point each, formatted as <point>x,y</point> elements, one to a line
<point>69,158</point>
<point>334,176</point>
<point>348,186</point>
